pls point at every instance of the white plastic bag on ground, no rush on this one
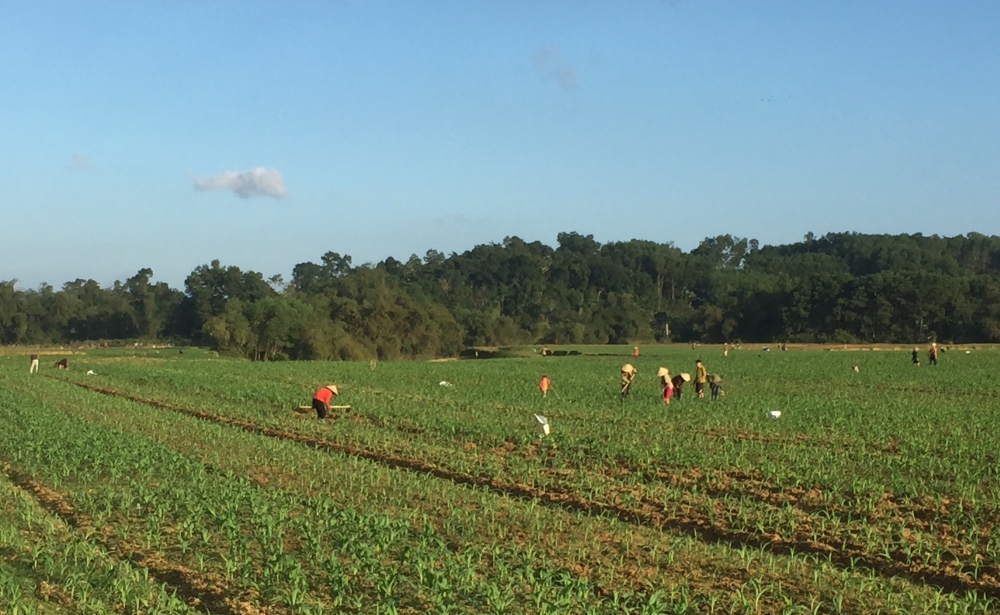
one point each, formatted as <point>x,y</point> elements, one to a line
<point>541,426</point>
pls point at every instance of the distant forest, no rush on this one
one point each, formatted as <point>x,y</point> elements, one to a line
<point>842,287</point>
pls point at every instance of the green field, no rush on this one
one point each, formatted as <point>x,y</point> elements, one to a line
<point>182,483</point>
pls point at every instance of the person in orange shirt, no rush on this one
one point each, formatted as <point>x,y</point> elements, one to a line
<point>635,352</point>
<point>544,384</point>
<point>321,400</point>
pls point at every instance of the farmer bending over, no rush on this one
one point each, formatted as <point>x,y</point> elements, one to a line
<point>628,374</point>
<point>678,382</point>
<point>715,383</point>
<point>666,384</point>
<point>321,400</point>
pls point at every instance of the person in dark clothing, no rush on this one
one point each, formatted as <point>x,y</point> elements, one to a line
<point>63,364</point>
<point>932,354</point>
<point>916,356</point>
<point>678,382</point>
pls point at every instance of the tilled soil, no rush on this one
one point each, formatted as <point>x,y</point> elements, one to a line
<point>690,519</point>
<point>205,592</point>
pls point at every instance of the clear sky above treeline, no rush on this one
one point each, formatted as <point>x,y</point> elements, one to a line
<point>165,134</point>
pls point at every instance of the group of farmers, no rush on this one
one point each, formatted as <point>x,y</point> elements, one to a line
<point>932,354</point>
<point>33,364</point>
<point>673,386</point>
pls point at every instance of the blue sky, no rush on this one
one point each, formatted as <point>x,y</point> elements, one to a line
<point>129,130</point>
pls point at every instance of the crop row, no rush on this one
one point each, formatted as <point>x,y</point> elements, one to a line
<point>310,464</point>
<point>47,566</point>
<point>271,546</point>
<point>925,533</point>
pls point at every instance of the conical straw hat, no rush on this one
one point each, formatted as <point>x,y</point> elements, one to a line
<point>333,388</point>
<point>663,372</point>
<point>686,377</point>
<point>628,369</point>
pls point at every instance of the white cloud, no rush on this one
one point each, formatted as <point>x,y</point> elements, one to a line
<point>255,182</point>
<point>552,65</point>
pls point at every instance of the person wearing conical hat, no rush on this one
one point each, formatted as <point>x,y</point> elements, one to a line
<point>666,384</point>
<point>321,400</point>
<point>932,354</point>
<point>635,352</point>
<point>628,374</point>
<point>678,382</point>
<point>544,384</point>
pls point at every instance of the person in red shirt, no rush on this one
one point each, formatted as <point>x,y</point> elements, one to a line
<point>635,352</point>
<point>321,400</point>
<point>544,385</point>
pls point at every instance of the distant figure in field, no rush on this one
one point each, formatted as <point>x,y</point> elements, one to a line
<point>725,349</point>
<point>635,352</point>
<point>34,364</point>
<point>700,379</point>
<point>784,346</point>
<point>916,356</point>
<point>321,400</point>
<point>666,384</point>
<point>628,374</point>
<point>678,382</point>
<point>544,384</point>
<point>932,354</point>
<point>63,364</point>
<point>715,383</point>
<point>855,368</point>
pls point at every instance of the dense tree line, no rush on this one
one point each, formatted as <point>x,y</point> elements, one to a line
<point>842,287</point>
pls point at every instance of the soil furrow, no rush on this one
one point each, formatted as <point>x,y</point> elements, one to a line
<point>684,519</point>
<point>200,591</point>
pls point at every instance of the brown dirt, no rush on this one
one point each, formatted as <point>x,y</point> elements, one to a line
<point>204,592</point>
<point>683,518</point>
